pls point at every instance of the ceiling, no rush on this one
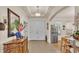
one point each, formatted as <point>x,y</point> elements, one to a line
<point>45,11</point>
<point>36,9</point>
<point>32,10</point>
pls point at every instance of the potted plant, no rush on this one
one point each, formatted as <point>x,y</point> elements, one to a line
<point>76,35</point>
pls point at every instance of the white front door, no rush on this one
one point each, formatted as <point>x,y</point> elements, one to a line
<point>37,30</point>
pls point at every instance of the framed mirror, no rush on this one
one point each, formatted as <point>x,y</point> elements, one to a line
<point>13,22</point>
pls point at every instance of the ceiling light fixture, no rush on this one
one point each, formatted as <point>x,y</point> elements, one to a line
<point>37,14</point>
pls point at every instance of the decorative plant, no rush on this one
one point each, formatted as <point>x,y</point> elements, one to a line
<point>15,24</point>
<point>77,33</point>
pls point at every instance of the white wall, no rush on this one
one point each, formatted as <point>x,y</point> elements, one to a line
<point>77,17</point>
<point>3,15</point>
<point>49,33</point>
<point>37,29</point>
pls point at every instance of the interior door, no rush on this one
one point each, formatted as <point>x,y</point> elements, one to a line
<point>54,34</point>
<point>37,30</point>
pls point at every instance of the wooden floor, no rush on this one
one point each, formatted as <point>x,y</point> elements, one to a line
<point>43,47</point>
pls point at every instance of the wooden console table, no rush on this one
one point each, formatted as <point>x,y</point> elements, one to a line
<point>16,46</point>
<point>66,46</point>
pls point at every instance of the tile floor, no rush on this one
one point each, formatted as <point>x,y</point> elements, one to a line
<point>43,47</point>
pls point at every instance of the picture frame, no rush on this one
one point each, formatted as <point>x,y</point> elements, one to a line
<point>13,22</point>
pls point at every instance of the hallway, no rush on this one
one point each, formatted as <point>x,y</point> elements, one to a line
<point>37,24</point>
<point>41,46</point>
